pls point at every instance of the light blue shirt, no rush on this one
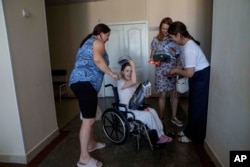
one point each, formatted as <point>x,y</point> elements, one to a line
<point>172,45</point>
<point>85,68</point>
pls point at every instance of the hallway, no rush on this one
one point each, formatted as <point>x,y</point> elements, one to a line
<point>64,150</point>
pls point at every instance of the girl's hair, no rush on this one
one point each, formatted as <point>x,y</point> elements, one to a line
<point>125,65</point>
<point>98,29</point>
<point>166,20</point>
<point>179,27</point>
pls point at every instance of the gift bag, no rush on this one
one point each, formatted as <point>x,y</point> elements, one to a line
<point>137,100</point>
<point>182,84</point>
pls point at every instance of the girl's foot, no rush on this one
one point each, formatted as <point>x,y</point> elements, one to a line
<point>164,139</point>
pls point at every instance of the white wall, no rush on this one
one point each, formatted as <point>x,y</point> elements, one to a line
<point>229,107</point>
<point>69,24</point>
<point>27,101</point>
<point>228,115</point>
<point>31,114</point>
<point>11,138</point>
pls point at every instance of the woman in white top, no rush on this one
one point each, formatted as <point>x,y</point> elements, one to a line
<point>126,87</point>
<point>197,68</point>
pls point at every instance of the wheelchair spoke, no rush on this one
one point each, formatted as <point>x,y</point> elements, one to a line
<point>114,126</point>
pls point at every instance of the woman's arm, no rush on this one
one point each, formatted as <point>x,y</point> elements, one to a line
<point>186,72</point>
<point>152,54</point>
<point>151,60</point>
<point>99,51</point>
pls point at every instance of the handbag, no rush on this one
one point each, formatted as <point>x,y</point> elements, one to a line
<point>182,84</point>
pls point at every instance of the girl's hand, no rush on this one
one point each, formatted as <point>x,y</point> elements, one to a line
<point>132,63</point>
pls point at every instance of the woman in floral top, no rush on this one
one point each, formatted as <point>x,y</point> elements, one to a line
<point>161,44</point>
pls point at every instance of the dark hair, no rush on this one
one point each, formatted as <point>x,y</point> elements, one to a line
<point>166,20</point>
<point>125,65</point>
<point>179,27</point>
<point>98,29</point>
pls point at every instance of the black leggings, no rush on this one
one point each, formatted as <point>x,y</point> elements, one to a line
<point>87,98</point>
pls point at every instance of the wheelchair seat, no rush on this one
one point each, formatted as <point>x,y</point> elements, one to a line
<point>118,123</point>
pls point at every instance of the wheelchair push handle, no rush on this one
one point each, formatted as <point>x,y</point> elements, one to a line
<point>108,85</point>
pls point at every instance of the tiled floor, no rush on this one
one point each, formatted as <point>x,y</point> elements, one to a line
<point>64,152</point>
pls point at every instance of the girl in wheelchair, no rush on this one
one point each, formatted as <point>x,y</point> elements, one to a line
<point>126,86</point>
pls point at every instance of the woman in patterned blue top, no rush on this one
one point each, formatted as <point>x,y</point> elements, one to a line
<point>161,44</point>
<point>85,81</point>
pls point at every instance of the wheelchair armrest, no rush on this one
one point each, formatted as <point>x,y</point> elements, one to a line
<point>125,109</point>
<point>122,105</point>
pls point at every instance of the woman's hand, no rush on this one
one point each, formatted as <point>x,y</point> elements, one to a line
<point>151,60</point>
<point>115,75</point>
<point>172,72</point>
<point>172,51</point>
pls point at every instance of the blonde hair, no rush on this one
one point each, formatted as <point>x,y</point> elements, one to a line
<point>166,20</point>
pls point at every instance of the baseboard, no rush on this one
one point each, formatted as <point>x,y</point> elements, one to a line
<point>24,159</point>
<point>40,146</point>
<point>6,158</point>
<point>212,155</point>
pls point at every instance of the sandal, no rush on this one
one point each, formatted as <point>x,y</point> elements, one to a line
<point>92,163</point>
<point>97,147</point>
<point>184,139</point>
<point>180,134</point>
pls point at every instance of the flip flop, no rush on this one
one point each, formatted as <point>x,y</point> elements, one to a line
<point>97,147</point>
<point>184,139</point>
<point>92,163</point>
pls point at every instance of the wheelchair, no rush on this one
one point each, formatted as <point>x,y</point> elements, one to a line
<point>117,126</point>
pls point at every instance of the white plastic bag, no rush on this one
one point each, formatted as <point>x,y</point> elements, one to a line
<point>182,84</point>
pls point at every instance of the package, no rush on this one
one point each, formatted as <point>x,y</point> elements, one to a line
<point>146,88</point>
<point>137,100</point>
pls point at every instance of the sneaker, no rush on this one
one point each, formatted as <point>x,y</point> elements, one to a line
<point>176,122</point>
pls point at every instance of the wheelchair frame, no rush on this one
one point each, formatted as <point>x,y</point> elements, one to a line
<point>117,126</point>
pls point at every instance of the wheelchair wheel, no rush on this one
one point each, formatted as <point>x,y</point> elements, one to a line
<point>115,126</point>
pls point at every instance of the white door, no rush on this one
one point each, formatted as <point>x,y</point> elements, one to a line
<point>126,39</point>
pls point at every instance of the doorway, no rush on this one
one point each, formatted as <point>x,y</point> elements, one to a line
<point>126,39</point>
